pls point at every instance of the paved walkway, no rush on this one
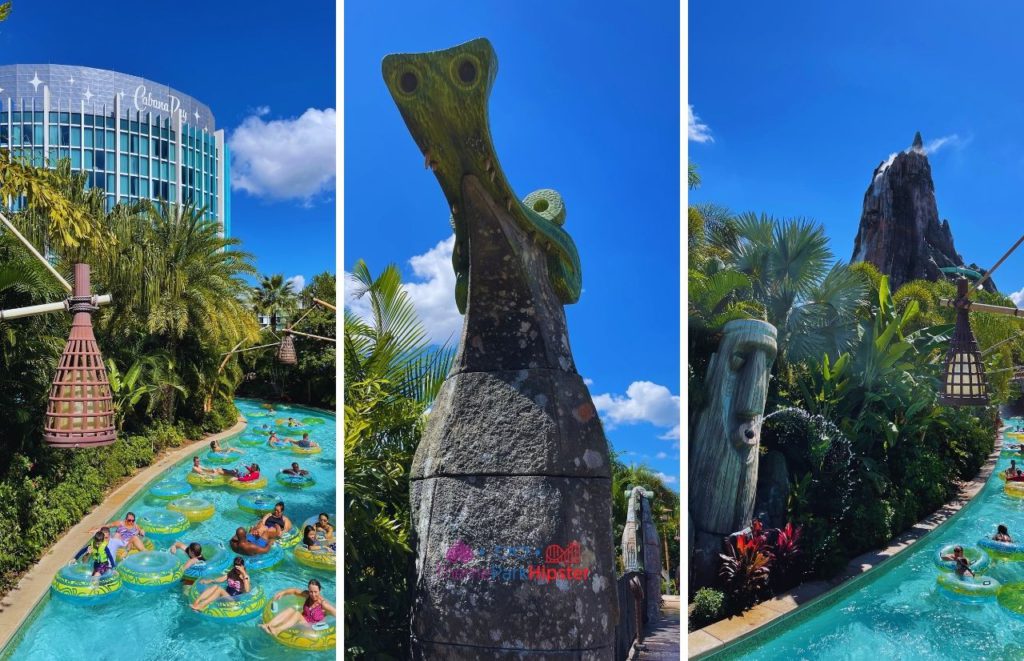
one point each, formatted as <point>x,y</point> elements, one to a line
<point>662,639</point>
<point>17,605</point>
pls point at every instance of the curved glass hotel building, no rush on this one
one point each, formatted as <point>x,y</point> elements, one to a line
<point>134,138</point>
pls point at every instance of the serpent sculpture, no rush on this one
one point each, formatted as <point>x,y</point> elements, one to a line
<point>510,485</point>
<point>724,447</point>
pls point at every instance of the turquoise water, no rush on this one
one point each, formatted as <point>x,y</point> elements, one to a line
<point>901,613</point>
<point>160,625</point>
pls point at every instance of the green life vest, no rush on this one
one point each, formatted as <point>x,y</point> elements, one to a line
<point>99,553</point>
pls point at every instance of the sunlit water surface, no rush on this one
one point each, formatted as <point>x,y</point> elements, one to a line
<point>902,613</point>
<point>160,625</point>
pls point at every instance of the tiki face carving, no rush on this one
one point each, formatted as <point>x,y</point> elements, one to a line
<point>742,366</point>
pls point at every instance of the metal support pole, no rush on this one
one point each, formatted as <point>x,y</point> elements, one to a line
<point>325,304</point>
<point>315,337</point>
<point>983,307</point>
<point>45,308</point>
<point>32,249</point>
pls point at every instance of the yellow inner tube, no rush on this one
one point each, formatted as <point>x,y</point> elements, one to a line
<point>76,581</point>
<point>194,509</point>
<point>302,636</point>
<point>126,551</point>
<point>325,559</point>
<point>316,449</point>
<point>205,480</point>
<point>246,605</point>
<point>259,483</point>
<point>1015,489</point>
<point>289,539</point>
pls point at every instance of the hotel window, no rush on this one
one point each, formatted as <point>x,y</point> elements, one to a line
<point>76,136</point>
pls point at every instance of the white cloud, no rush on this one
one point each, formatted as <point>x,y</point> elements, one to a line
<point>661,455</point>
<point>298,282</point>
<point>261,111</point>
<point>433,296</point>
<point>945,141</point>
<point>1017,297</point>
<point>588,382</point>
<point>696,130</point>
<point>284,158</point>
<point>666,478</point>
<point>644,402</point>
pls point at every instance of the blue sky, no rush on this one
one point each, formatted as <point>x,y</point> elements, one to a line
<point>586,101</point>
<point>802,100</point>
<point>268,76</point>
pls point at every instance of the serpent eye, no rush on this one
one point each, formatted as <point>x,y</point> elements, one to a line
<point>408,82</point>
<point>465,70</point>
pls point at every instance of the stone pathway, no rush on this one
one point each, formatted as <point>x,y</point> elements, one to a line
<point>662,639</point>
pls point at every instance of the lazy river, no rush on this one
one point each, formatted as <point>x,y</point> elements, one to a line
<point>899,611</point>
<point>159,624</point>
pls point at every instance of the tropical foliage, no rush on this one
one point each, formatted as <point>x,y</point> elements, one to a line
<point>313,380</point>
<point>855,419</point>
<point>177,290</point>
<point>392,374</point>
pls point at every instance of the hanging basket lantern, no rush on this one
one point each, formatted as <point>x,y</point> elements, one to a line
<point>963,375</point>
<point>286,351</point>
<point>80,412</point>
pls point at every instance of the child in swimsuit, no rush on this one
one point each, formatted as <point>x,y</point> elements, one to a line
<point>315,610</point>
<point>236,583</point>
<point>963,565</point>
<point>102,559</point>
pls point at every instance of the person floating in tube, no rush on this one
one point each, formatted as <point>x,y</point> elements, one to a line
<point>963,565</point>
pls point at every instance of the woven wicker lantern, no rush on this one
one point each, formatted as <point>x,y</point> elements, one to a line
<point>286,351</point>
<point>80,413</point>
<point>963,375</point>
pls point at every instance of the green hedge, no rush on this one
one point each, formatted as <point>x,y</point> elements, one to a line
<point>40,500</point>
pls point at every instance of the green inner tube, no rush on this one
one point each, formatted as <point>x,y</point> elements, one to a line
<point>243,607</point>
<point>979,559</point>
<point>980,586</point>
<point>75,582</point>
<point>163,522</point>
<point>151,570</point>
<point>301,636</point>
<point>258,502</point>
<point>1011,597</point>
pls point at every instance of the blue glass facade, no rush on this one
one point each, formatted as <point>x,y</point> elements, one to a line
<point>134,139</point>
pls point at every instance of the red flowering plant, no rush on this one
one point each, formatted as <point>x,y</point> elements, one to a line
<point>785,552</point>
<point>745,567</point>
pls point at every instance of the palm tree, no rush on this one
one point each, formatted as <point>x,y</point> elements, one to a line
<point>41,189</point>
<point>811,303</point>
<point>274,296</point>
<point>392,374</point>
<point>174,287</point>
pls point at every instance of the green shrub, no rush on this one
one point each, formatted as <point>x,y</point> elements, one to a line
<point>708,607</point>
<point>40,500</point>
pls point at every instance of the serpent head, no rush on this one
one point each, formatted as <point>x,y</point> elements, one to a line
<point>443,97</point>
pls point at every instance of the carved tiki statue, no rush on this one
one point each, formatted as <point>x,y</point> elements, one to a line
<point>510,485</point>
<point>724,447</point>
